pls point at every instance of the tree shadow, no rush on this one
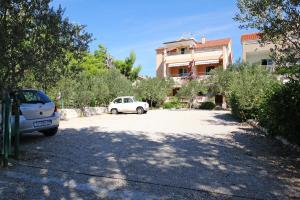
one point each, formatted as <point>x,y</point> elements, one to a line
<point>226,117</point>
<point>244,166</point>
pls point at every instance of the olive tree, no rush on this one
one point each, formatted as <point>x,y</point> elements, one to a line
<point>191,90</point>
<point>154,90</point>
<point>35,37</point>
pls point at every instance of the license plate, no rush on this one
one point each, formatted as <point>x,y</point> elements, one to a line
<point>42,123</point>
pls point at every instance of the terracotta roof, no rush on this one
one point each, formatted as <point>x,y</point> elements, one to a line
<point>213,43</point>
<point>251,36</point>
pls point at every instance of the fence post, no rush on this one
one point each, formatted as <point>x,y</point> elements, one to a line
<point>7,129</point>
<point>2,129</point>
<point>17,128</point>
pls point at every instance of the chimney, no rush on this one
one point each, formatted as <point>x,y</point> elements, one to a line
<point>203,40</point>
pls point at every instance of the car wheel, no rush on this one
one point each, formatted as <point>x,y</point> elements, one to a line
<point>114,111</point>
<point>50,132</point>
<point>140,110</point>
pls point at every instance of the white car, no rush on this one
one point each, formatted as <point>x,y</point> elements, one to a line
<point>127,104</point>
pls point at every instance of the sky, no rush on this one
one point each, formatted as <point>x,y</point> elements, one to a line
<point>142,26</point>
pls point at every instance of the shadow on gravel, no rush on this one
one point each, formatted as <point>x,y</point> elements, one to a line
<point>224,119</point>
<point>245,166</point>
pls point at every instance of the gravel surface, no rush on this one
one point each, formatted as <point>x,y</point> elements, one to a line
<point>159,155</point>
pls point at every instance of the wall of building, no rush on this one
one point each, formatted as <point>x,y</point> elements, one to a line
<point>159,64</point>
<point>253,52</point>
<point>174,71</point>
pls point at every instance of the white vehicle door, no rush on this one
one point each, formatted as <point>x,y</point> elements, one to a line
<point>118,104</point>
<point>129,105</point>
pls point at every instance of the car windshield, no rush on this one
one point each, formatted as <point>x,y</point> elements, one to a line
<point>32,96</point>
<point>133,98</point>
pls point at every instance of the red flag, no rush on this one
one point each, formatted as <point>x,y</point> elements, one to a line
<point>191,64</point>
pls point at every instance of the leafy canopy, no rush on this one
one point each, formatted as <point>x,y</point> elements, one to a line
<point>191,90</point>
<point>35,37</point>
<point>127,68</point>
<point>154,90</point>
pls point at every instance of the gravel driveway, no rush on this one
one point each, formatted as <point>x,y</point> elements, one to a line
<point>159,155</point>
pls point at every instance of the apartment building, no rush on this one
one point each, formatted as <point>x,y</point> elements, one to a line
<point>254,52</point>
<point>185,57</point>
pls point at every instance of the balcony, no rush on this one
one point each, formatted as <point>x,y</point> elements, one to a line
<point>173,58</point>
<point>176,57</point>
<point>181,79</point>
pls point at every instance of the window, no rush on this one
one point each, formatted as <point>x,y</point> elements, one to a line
<point>32,96</point>
<point>183,72</point>
<point>119,100</point>
<point>128,100</point>
<point>182,51</point>
<point>208,69</point>
<point>266,62</point>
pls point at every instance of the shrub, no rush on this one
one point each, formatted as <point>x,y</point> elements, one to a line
<point>207,105</point>
<point>191,90</point>
<point>153,90</point>
<point>280,113</point>
<point>88,89</point>
<point>168,105</point>
<point>249,88</point>
<point>173,103</point>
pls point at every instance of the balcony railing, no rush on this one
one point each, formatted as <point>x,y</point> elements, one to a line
<point>183,75</point>
<point>179,53</point>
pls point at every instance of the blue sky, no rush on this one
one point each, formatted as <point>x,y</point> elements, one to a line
<point>143,25</point>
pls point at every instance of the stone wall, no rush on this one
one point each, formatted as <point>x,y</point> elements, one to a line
<point>88,111</point>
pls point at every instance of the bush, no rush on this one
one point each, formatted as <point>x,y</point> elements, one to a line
<point>168,105</point>
<point>153,90</point>
<point>191,90</point>
<point>207,105</point>
<point>249,88</point>
<point>88,89</point>
<point>280,113</point>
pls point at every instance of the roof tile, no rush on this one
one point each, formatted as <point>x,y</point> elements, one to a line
<point>213,43</point>
<point>251,36</point>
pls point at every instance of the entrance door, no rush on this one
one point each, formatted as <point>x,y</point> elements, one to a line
<point>219,100</point>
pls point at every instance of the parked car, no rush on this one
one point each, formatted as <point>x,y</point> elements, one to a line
<point>37,112</point>
<point>127,104</point>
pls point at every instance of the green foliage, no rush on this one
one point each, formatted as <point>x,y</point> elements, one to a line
<point>66,88</point>
<point>280,113</point>
<point>118,85</point>
<point>168,105</point>
<point>126,67</point>
<point>248,90</point>
<point>153,90</point>
<point>173,103</point>
<point>191,90</point>
<point>95,62</point>
<point>246,87</point>
<point>207,105</point>
<point>220,80</point>
<point>92,89</point>
<point>279,23</point>
<point>35,37</point>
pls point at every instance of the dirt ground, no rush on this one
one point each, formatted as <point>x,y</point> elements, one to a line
<point>160,155</point>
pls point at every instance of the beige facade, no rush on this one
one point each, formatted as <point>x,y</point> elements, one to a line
<point>254,52</point>
<point>185,57</point>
